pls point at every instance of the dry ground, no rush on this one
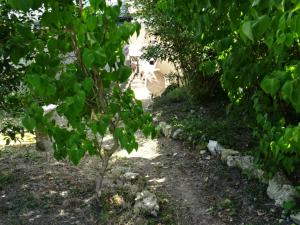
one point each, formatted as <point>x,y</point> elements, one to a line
<point>193,189</point>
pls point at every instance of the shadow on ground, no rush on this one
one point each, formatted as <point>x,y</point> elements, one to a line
<point>200,189</point>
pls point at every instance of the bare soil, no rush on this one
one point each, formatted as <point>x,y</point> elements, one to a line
<point>193,189</point>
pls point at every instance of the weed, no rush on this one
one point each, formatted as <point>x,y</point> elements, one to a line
<point>6,178</point>
<point>227,205</point>
<point>208,121</point>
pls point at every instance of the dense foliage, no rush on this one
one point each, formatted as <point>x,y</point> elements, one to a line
<point>78,64</point>
<point>177,43</point>
<point>11,48</point>
<point>256,45</point>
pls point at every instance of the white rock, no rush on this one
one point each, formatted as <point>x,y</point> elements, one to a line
<point>167,131</point>
<point>146,203</point>
<point>280,190</point>
<point>242,162</point>
<point>162,124</point>
<point>228,152</point>
<point>260,174</point>
<point>202,152</point>
<point>176,133</point>
<point>231,162</point>
<point>296,218</point>
<point>245,163</point>
<point>212,147</point>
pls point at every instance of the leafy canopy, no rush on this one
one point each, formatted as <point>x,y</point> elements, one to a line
<point>78,64</point>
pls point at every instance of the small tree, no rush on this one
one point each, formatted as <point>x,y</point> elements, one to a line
<point>88,96</point>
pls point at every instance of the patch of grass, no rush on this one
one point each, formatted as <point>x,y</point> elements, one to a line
<point>34,156</point>
<point>173,96</point>
<point>230,126</point>
<point>25,201</point>
<point>76,191</point>
<point>167,211</point>
<point>6,178</point>
<point>257,191</point>
<point>7,151</point>
<point>227,206</point>
<point>225,130</point>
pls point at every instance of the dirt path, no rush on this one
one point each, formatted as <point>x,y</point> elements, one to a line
<point>193,189</point>
<point>200,188</point>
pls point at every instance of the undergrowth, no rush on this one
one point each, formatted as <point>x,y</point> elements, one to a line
<point>203,121</point>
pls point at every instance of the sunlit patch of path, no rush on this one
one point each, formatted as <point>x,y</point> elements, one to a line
<point>27,139</point>
<point>148,149</point>
<point>165,175</point>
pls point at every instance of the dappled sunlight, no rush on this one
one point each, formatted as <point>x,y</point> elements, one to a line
<point>147,150</point>
<point>141,93</point>
<point>158,180</point>
<point>27,139</point>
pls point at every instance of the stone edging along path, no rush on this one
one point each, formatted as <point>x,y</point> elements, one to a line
<point>280,189</point>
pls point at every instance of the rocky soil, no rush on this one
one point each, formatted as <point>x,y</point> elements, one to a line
<point>189,187</point>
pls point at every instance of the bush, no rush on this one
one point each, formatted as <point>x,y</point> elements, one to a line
<point>178,44</point>
<point>172,95</point>
<point>252,47</point>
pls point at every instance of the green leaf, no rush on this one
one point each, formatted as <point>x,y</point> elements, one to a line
<point>269,40</point>
<point>37,4</point>
<point>297,7</point>
<point>247,30</point>
<point>23,5</point>
<point>97,3</point>
<point>255,3</point>
<point>93,126</point>
<point>100,56</point>
<point>29,123</point>
<point>295,24</point>
<point>16,54</point>
<point>261,25</point>
<point>52,44</point>
<point>87,84</point>
<point>295,96</point>
<point>270,85</point>
<point>91,23</point>
<point>289,206</point>
<point>88,58</point>
<point>102,127</point>
<point>123,73</point>
<point>76,154</point>
<point>118,132</point>
<point>287,90</point>
<point>88,146</point>
<point>34,80</point>
<point>26,31</point>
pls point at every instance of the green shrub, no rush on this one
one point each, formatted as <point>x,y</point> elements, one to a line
<point>252,49</point>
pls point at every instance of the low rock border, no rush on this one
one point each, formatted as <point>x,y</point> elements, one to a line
<point>280,189</point>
